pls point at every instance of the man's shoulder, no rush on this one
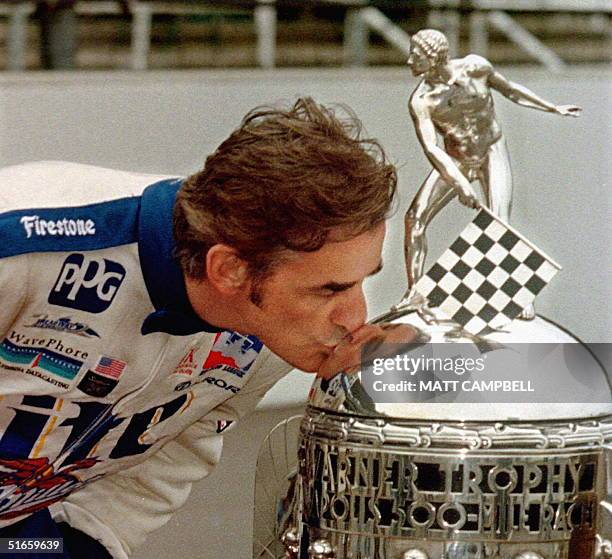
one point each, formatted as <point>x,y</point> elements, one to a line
<point>68,207</point>
<point>59,183</point>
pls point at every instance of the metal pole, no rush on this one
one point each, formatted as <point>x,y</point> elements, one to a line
<point>142,15</point>
<point>392,33</point>
<point>17,35</point>
<point>356,38</point>
<point>526,40</point>
<point>62,37</point>
<point>479,34</point>
<point>265,25</point>
<point>446,20</point>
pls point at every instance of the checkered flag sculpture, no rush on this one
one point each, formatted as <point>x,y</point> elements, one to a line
<point>488,276</point>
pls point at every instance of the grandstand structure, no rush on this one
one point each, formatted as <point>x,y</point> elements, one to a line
<point>144,34</point>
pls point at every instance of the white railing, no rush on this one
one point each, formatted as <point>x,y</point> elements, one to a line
<point>361,19</point>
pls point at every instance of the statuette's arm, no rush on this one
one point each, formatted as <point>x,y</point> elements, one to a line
<point>523,96</point>
<point>441,161</point>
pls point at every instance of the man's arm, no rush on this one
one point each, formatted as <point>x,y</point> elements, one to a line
<point>13,289</point>
<point>523,96</point>
<point>121,509</point>
<point>441,161</point>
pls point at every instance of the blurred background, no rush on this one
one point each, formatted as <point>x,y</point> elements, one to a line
<point>155,86</point>
<point>138,34</point>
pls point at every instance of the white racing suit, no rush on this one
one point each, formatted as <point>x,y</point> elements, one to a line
<point>113,393</point>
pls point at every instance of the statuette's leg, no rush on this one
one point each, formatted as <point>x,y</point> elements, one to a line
<point>497,183</point>
<point>497,180</point>
<point>433,195</point>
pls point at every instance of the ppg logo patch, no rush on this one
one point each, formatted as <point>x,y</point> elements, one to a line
<point>87,283</point>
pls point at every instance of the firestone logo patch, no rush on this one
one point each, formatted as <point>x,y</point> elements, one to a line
<point>39,227</point>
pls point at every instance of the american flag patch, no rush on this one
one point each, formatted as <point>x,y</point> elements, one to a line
<point>109,367</point>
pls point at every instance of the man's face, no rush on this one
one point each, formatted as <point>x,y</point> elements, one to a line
<point>418,61</point>
<point>310,302</point>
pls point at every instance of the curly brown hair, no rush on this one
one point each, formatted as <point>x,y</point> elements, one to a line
<point>282,182</point>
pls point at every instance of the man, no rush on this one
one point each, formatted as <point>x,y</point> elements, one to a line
<point>143,315</point>
<point>455,100</point>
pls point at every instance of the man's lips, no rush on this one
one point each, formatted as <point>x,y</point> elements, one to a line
<point>347,338</point>
<point>346,356</point>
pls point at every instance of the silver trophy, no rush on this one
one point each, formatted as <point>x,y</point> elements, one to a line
<point>453,480</point>
<point>452,476</point>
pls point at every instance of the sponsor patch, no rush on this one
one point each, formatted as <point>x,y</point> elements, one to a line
<point>87,283</point>
<point>187,365</point>
<point>221,383</point>
<point>62,324</point>
<point>35,373</point>
<point>100,381</point>
<point>96,385</point>
<point>53,344</point>
<point>33,484</point>
<point>222,425</point>
<point>182,386</point>
<point>29,359</point>
<point>233,353</point>
<point>34,225</point>
<point>218,382</point>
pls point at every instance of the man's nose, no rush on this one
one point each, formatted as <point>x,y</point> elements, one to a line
<point>351,311</point>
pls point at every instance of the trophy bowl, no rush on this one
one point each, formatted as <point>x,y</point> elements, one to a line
<point>454,480</point>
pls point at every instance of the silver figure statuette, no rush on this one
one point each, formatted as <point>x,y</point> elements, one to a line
<point>454,101</point>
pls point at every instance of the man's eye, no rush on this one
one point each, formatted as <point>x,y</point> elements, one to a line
<point>329,293</point>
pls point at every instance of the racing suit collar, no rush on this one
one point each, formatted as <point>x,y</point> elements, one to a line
<point>162,274</point>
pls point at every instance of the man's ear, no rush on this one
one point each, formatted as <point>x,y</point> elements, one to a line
<point>225,270</point>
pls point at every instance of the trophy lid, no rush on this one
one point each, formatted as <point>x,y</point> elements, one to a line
<point>581,387</point>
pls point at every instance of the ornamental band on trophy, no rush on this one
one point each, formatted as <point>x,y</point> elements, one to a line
<point>452,478</point>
